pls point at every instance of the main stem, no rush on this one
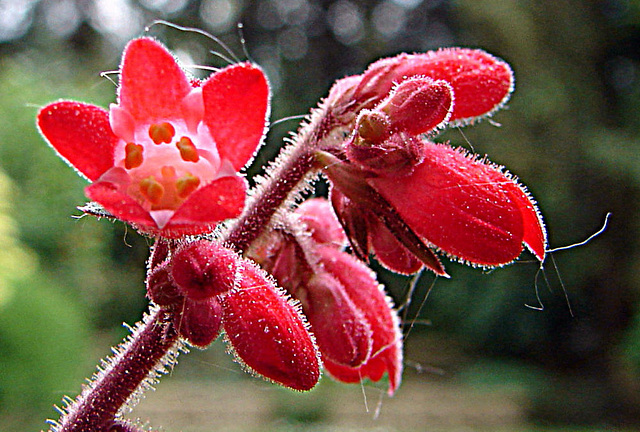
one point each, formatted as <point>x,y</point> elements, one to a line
<point>97,406</point>
<point>146,352</point>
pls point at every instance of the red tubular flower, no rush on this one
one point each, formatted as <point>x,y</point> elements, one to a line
<point>267,332</point>
<point>353,321</point>
<point>398,195</point>
<point>465,207</point>
<point>166,156</point>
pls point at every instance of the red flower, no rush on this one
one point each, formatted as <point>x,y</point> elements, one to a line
<point>352,319</point>
<point>166,156</point>
<point>402,197</point>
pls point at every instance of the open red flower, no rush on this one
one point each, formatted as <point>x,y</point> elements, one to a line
<point>166,156</point>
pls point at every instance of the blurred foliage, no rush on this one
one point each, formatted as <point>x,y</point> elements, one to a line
<point>570,133</point>
<point>39,327</point>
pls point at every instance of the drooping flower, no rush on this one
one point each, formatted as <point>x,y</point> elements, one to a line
<point>401,196</point>
<point>209,288</point>
<point>166,156</point>
<point>353,321</point>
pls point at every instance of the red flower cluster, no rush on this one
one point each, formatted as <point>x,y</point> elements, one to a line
<point>166,159</point>
<point>207,287</point>
<point>400,196</point>
<point>166,156</point>
<point>353,321</point>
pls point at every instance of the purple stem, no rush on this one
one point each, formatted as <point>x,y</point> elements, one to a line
<point>97,406</point>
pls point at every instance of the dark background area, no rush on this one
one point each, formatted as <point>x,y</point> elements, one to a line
<point>569,133</point>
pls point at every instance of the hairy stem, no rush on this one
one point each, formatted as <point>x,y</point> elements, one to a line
<point>97,406</point>
<point>284,179</point>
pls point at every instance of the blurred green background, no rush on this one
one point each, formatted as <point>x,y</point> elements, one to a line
<point>478,358</point>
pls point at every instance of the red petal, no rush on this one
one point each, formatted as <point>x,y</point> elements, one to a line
<point>481,83</point>
<point>236,105</point>
<point>460,205</point>
<point>221,199</point>
<point>363,289</point>
<point>121,205</point>
<point>268,334</point>
<point>152,85</point>
<point>535,235</point>
<point>388,360</point>
<point>341,330</point>
<point>81,135</point>
<point>390,252</point>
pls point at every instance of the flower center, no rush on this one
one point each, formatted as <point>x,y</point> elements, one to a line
<point>165,163</point>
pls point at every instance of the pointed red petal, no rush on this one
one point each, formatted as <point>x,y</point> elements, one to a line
<point>236,105</point>
<point>152,85</point>
<point>463,206</point>
<point>268,334</point>
<point>81,135</point>
<point>388,360</point>
<point>390,252</point>
<point>221,199</point>
<point>535,235</point>
<point>121,205</point>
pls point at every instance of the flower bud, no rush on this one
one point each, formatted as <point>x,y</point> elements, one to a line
<point>418,105</point>
<point>395,156</point>
<point>203,269</point>
<point>342,332</point>
<point>161,288</point>
<point>318,216</point>
<point>200,321</point>
<point>267,332</point>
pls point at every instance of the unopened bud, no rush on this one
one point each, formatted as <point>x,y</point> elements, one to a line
<point>204,269</point>
<point>200,321</point>
<point>161,288</point>
<point>396,155</point>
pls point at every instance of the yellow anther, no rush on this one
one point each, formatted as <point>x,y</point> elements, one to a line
<point>151,189</point>
<point>188,151</point>
<point>132,155</point>
<point>186,184</point>
<point>162,132</point>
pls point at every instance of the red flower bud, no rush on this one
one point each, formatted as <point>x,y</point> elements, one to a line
<point>161,288</point>
<point>321,222</point>
<point>200,321</point>
<point>203,269</point>
<point>341,330</point>
<point>267,332</point>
